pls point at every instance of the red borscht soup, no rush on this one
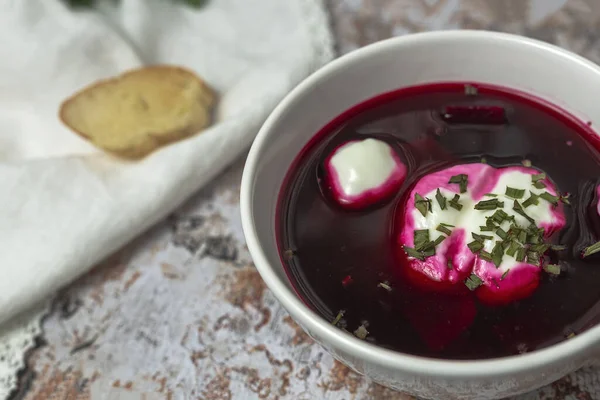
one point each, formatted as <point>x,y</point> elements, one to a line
<point>449,220</point>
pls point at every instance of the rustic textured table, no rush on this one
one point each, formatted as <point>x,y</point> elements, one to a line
<point>182,313</point>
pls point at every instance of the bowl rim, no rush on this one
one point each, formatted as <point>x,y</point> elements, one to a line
<point>370,353</point>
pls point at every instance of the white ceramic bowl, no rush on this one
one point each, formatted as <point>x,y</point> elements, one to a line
<point>549,72</point>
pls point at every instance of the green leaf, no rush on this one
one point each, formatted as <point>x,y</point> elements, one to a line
<point>512,249</point>
<point>481,238</point>
<point>489,204</point>
<point>473,282</point>
<point>549,198</point>
<point>475,246</point>
<point>439,240</point>
<point>519,210</point>
<point>593,249</point>
<point>533,257</point>
<point>565,199</point>
<point>440,199</point>
<point>501,233</point>
<point>497,254</point>
<point>443,229</point>
<point>420,238</point>
<point>455,204</point>
<point>538,177</point>
<point>532,200</point>
<point>499,216</point>
<point>338,317</point>
<point>514,193</point>
<point>485,255</point>
<point>414,253</point>
<point>422,204</point>
<point>553,269</point>
<point>462,181</point>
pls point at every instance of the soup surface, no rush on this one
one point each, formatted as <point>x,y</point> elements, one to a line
<point>354,259</point>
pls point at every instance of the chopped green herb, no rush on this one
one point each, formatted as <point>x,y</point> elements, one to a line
<point>487,228</point>
<point>538,177</point>
<point>289,254</point>
<point>385,285</point>
<point>565,199</point>
<point>522,237</point>
<point>470,90</point>
<point>512,249</point>
<point>462,181</point>
<point>533,257</point>
<point>475,246</point>
<point>420,238</point>
<point>532,200</point>
<point>558,247</point>
<point>497,254</point>
<point>499,216</point>
<point>481,238</point>
<point>571,335</point>
<point>553,269</point>
<point>443,229</point>
<point>439,239</point>
<point>491,204</point>
<point>501,233</point>
<point>361,332</point>
<point>490,195</point>
<point>593,249</point>
<point>338,317</point>
<point>485,255</point>
<point>440,199</point>
<point>520,257</point>
<point>473,282</point>
<point>429,251</point>
<point>414,253</point>
<point>540,248</point>
<point>483,160</point>
<point>514,193</point>
<point>426,247</point>
<point>549,198</point>
<point>422,204</point>
<point>504,274</point>
<point>526,163</point>
<point>449,264</point>
<point>519,210</point>
<point>455,204</point>
<point>447,225</point>
<point>533,239</point>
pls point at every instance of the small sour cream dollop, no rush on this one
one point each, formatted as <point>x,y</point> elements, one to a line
<point>486,228</point>
<point>360,173</point>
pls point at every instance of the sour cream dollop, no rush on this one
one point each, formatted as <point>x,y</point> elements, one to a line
<point>360,173</point>
<point>458,263</point>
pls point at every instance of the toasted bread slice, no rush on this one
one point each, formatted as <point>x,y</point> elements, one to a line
<point>137,112</point>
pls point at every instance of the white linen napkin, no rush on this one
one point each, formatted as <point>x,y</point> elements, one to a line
<point>64,205</point>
